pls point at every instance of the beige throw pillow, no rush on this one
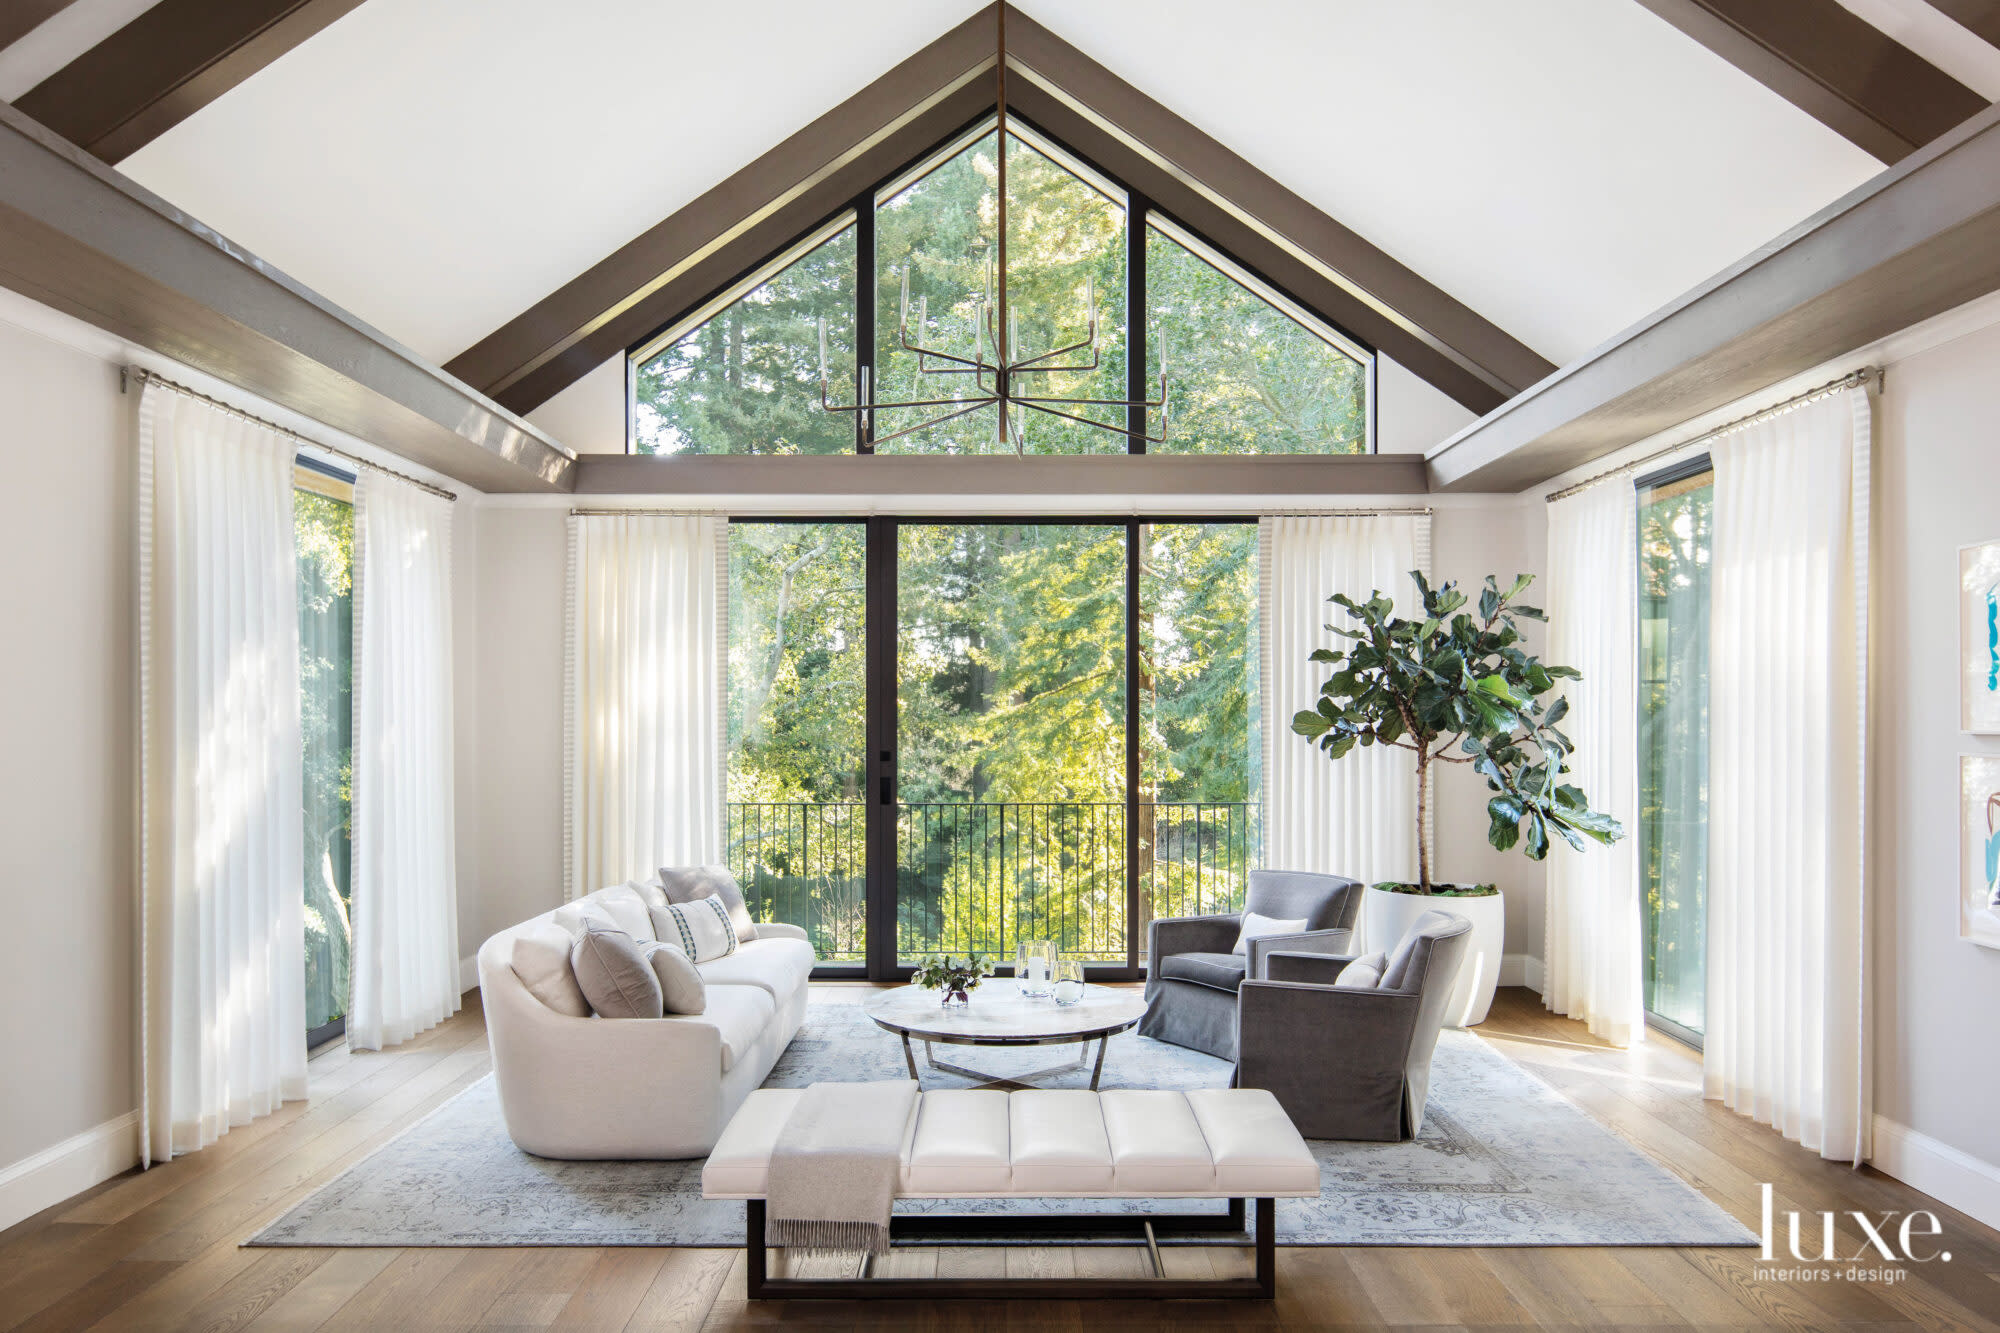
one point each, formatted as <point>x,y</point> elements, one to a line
<point>1364,973</point>
<point>701,929</point>
<point>688,884</point>
<point>681,987</point>
<point>614,974</point>
<point>541,961</point>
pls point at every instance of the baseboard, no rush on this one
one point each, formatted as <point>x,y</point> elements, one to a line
<point>468,973</point>
<point>1954,1178</point>
<point>68,1168</point>
<point>1521,969</point>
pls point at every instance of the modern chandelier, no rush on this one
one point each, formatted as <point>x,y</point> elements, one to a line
<point>1000,373</point>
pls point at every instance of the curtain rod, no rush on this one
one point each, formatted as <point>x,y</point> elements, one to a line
<point>145,376</point>
<point>1865,375</point>
<point>983,516</point>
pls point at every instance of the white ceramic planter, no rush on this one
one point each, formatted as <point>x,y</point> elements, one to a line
<point>1388,917</point>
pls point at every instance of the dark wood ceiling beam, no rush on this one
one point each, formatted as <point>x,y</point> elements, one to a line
<point>1833,65</point>
<point>1980,17</point>
<point>758,211</point>
<point>1921,238</point>
<point>167,64</point>
<point>80,237</point>
<point>18,18</point>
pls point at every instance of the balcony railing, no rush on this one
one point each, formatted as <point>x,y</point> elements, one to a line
<point>982,876</point>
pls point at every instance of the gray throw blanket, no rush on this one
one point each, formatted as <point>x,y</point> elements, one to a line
<point>835,1167</point>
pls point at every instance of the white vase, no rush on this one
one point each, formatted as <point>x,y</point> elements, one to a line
<point>1388,917</point>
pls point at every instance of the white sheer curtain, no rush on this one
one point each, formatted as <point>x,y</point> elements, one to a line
<point>1787,1020</point>
<point>405,954</point>
<point>1591,952</point>
<point>647,612</point>
<point>221,883</point>
<point>1355,817</point>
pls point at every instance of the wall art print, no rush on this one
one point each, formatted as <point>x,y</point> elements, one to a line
<point>1979,638</point>
<point>1979,854</point>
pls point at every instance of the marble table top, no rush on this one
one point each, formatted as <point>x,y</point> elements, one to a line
<point>999,1015</point>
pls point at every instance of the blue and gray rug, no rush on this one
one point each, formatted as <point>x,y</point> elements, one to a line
<point>1503,1160</point>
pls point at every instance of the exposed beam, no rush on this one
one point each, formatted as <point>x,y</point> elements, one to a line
<point>1919,239</point>
<point>1832,64</point>
<point>80,237</point>
<point>18,18</point>
<point>1165,478</point>
<point>729,230</point>
<point>1980,17</point>
<point>167,64</point>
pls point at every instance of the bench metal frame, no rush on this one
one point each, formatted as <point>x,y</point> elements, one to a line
<point>1262,1286</point>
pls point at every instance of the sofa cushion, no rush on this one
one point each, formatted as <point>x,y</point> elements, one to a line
<point>960,1146</point>
<point>686,884</point>
<point>701,929</point>
<point>614,974</point>
<point>741,1014</point>
<point>571,916</point>
<point>1156,1143</point>
<point>779,967</point>
<point>1223,971</point>
<point>541,960</point>
<point>1364,973</point>
<point>682,991</point>
<point>1057,1140</point>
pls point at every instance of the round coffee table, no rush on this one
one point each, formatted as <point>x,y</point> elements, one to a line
<point>999,1015</point>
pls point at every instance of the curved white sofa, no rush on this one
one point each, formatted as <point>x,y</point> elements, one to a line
<point>576,1086</point>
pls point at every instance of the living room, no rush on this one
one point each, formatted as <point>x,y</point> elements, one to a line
<point>1335,668</point>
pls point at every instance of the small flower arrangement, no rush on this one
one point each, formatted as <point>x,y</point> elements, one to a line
<point>956,977</point>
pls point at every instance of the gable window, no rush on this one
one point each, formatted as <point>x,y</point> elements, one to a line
<point>1248,369</point>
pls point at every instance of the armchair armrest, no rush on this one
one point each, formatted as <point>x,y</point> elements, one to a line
<point>1334,941</point>
<point>1317,969</point>
<point>1188,934</point>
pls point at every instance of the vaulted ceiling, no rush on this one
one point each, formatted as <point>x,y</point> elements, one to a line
<point>1561,167</point>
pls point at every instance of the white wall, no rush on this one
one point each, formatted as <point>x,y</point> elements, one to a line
<point>67,959</point>
<point>1937,1065</point>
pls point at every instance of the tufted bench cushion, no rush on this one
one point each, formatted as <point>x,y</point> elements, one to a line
<point>1044,1143</point>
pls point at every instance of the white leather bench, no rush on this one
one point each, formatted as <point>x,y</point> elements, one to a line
<point>1222,1143</point>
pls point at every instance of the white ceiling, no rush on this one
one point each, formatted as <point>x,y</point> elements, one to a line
<point>1562,166</point>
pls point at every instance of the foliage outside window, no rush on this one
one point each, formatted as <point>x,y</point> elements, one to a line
<point>1247,373</point>
<point>323,521</point>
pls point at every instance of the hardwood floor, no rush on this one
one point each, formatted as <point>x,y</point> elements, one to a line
<point>158,1249</point>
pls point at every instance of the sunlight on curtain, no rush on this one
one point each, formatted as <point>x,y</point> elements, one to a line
<point>1355,817</point>
<point>1591,949</point>
<point>644,672</point>
<point>1787,984</point>
<point>405,882</point>
<point>222,985</point>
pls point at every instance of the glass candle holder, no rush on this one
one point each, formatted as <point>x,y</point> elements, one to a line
<point>1034,968</point>
<point>1069,981</point>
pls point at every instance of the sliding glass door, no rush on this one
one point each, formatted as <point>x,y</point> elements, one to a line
<point>1674,526</point>
<point>323,523</point>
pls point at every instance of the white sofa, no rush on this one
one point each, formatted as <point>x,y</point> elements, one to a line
<point>576,1086</point>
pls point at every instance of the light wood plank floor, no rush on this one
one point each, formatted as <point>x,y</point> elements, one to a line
<point>159,1249</point>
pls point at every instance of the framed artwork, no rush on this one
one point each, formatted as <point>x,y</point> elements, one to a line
<point>1979,638</point>
<point>1979,852</point>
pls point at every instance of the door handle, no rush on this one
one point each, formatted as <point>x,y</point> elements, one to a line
<point>888,790</point>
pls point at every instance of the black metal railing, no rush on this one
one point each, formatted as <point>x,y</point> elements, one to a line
<point>981,876</point>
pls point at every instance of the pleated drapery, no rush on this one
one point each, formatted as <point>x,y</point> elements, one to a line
<point>647,613</point>
<point>221,892</point>
<point>405,953</point>
<point>1355,816</point>
<point>1592,947</point>
<point>1787,1014</point>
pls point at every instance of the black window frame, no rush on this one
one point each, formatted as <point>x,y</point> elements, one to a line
<point>859,212</point>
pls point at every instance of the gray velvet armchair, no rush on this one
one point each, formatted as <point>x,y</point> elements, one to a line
<point>1192,975</point>
<point>1350,1062</point>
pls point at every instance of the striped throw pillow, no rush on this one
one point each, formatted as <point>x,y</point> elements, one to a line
<point>700,929</point>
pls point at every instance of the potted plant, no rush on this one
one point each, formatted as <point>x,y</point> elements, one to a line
<point>956,977</point>
<point>1457,688</point>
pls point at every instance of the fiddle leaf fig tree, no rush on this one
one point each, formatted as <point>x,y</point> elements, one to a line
<point>1457,688</point>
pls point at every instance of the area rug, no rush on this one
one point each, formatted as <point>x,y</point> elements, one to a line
<point>1504,1159</point>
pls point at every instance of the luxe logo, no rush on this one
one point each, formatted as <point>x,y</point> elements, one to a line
<point>1879,1242</point>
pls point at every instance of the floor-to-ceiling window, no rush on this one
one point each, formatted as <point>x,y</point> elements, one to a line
<point>323,518</point>
<point>1674,526</point>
